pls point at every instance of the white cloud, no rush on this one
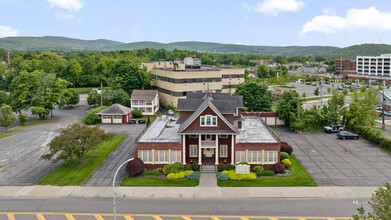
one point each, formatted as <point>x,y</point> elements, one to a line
<point>239,43</point>
<point>329,23</point>
<point>65,16</point>
<point>70,5</point>
<point>6,31</point>
<point>273,7</point>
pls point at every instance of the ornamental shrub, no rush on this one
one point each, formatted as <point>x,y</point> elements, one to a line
<point>258,169</point>
<point>135,167</point>
<point>173,168</point>
<point>227,167</point>
<point>286,148</point>
<point>286,174</point>
<point>179,175</point>
<point>284,155</point>
<point>278,168</point>
<point>239,176</point>
<point>188,167</point>
<point>222,176</point>
<point>221,168</point>
<point>193,176</point>
<point>286,162</point>
<point>137,113</point>
<point>266,173</point>
<point>244,163</point>
<point>155,172</point>
<point>195,166</point>
<point>386,144</point>
<point>91,117</point>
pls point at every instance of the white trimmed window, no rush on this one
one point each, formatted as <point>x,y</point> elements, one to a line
<point>148,102</point>
<point>223,150</point>
<point>193,136</point>
<point>223,136</point>
<point>255,156</point>
<point>135,102</point>
<point>193,150</point>
<point>271,157</point>
<point>117,116</point>
<point>145,155</point>
<point>161,156</point>
<point>240,156</point>
<point>176,156</point>
<point>106,116</point>
<point>208,120</point>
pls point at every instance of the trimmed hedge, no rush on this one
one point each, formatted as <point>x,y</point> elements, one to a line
<point>239,176</point>
<point>258,169</point>
<point>284,155</point>
<point>155,172</point>
<point>266,173</point>
<point>286,162</point>
<point>227,167</point>
<point>173,168</point>
<point>179,175</point>
<point>135,167</point>
<point>285,147</point>
<point>91,118</point>
<point>286,174</point>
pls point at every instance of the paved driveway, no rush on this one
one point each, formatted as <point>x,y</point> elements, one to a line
<point>104,174</point>
<point>331,161</point>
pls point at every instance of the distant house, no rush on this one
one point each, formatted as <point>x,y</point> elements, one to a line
<point>115,114</point>
<point>281,89</point>
<point>145,100</point>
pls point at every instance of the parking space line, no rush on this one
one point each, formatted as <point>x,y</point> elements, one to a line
<point>69,216</point>
<point>157,217</point>
<point>186,218</point>
<point>40,216</point>
<point>98,217</point>
<point>11,216</point>
<point>128,217</point>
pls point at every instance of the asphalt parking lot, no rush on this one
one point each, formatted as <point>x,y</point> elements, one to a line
<point>104,174</point>
<point>334,162</point>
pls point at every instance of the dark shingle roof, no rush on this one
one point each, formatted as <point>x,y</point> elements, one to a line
<point>225,102</point>
<point>143,94</point>
<point>115,109</point>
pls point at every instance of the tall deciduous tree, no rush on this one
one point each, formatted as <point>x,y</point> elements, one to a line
<point>316,92</point>
<point>130,75</point>
<point>7,117</point>
<point>288,107</point>
<point>75,142</point>
<point>256,96</point>
<point>361,109</point>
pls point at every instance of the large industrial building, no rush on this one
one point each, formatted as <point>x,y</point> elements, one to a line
<point>176,79</point>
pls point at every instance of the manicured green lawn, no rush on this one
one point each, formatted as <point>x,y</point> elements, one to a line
<point>5,134</point>
<point>157,181</point>
<point>301,178</point>
<point>70,174</point>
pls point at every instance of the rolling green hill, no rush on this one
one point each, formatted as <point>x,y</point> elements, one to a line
<point>70,44</point>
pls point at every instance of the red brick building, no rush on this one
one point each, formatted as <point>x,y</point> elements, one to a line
<point>209,131</point>
<point>342,65</point>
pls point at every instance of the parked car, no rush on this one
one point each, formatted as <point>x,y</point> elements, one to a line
<point>132,121</point>
<point>387,113</point>
<point>171,112</point>
<point>334,128</point>
<point>340,88</point>
<point>347,135</point>
<point>314,84</point>
<point>141,121</point>
<point>308,83</point>
<point>326,82</point>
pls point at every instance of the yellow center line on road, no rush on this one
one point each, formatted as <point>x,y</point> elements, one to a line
<point>40,216</point>
<point>98,216</point>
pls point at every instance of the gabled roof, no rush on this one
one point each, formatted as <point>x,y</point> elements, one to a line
<point>207,102</point>
<point>143,94</point>
<point>115,109</point>
<point>225,102</point>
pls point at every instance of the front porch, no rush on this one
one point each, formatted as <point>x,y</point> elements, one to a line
<point>208,149</point>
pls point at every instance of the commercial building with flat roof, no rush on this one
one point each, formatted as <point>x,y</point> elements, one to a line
<point>176,79</point>
<point>373,68</point>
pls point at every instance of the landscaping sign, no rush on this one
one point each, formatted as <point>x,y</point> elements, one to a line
<point>242,168</point>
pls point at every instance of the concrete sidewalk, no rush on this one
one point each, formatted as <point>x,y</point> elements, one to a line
<point>186,192</point>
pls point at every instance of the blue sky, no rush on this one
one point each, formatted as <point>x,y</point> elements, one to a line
<point>251,22</point>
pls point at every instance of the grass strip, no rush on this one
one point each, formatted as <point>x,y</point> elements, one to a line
<point>300,178</point>
<point>157,181</point>
<point>68,174</point>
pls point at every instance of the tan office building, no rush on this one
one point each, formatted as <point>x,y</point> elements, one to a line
<point>174,80</point>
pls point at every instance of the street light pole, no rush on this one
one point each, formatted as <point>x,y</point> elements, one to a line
<point>115,176</point>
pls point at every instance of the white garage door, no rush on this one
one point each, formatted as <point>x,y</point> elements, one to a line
<point>117,119</point>
<point>106,119</point>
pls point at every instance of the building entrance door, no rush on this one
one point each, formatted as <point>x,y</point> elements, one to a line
<point>208,156</point>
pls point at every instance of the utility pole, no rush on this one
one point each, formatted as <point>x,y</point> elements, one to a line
<point>321,91</point>
<point>101,90</point>
<point>8,59</point>
<point>382,109</point>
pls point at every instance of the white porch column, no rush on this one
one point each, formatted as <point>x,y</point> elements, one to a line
<point>217,150</point>
<point>199,150</point>
<point>184,148</point>
<point>232,149</point>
